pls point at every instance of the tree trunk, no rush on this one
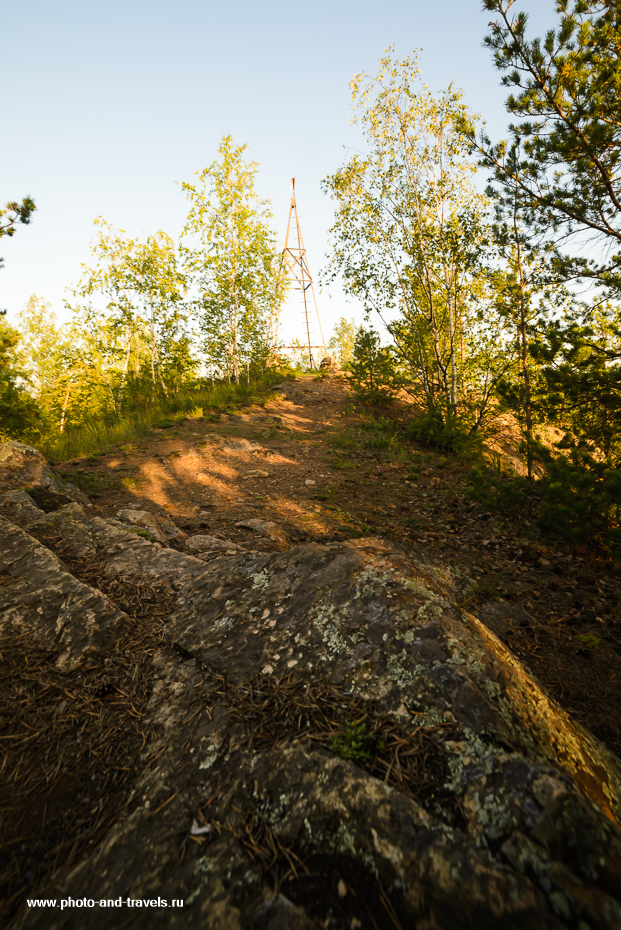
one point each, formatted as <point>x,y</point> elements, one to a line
<point>153,355</point>
<point>523,344</point>
<point>236,338</point>
<point>124,375</point>
<point>64,408</point>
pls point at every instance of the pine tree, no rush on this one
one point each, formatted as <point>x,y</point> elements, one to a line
<point>566,99</point>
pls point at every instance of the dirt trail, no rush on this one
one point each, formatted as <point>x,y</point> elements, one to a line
<point>278,463</point>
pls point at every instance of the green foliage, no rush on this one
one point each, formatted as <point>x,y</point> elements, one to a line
<point>90,438</point>
<point>346,439</point>
<point>578,498</point>
<point>499,492</point>
<point>130,326</point>
<point>138,532</point>
<point>356,743</point>
<point>14,213</point>
<point>340,464</point>
<point>342,342</point>
<point>373,368</point>
<point>231,257</point>
<point>450,433</point>
<point>565,93</point>
<point>590,640</point>
<point>581,380</point>
<point>581,499</point>
<point>410,235</point>
<point>19,414</point>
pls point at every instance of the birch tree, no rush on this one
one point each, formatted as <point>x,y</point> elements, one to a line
<point>230,254</point>
<point>410,232</point>
<point>130,304</point>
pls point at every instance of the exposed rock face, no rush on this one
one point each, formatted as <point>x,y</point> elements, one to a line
<point>23,466</point>
<point>39,597</point>
<point>328,711</point>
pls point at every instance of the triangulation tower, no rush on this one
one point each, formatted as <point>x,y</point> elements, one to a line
<point>295,265</point>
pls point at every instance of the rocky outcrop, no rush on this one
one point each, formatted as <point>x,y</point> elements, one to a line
<point>334,741</point>
<point>23,466</point>
<point>39,598</point>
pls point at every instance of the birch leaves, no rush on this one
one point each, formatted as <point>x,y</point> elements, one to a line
<point>410,226</point>
<point>230,251</point>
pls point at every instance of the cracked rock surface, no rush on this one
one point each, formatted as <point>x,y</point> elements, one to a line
<point>333,742</point>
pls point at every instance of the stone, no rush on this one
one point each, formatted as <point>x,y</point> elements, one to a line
<point>323,718</point>
<point>41,599</point>
<point>329,364</point>
<point>242,445</point>
<point>161,528</point>
<point>180,537</point>
<point>18,505</point>
<point>198,544</point>
<point>500,617</point>
<point>310,483</point>
<point>257,473</point>
<point>265,528</point>
<point>23,466</point>
<point>121,552</point>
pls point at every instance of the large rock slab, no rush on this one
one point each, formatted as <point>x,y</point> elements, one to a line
<point>41,599</point>
<point>335,742</point>
<point>119,548</point>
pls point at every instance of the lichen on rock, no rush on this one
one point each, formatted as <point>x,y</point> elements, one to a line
<point>329,718</point>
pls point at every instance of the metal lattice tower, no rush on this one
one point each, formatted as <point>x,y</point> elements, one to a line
<point>295,264</point>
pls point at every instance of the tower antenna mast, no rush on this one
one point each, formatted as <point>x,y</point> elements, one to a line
<point>295,262</point>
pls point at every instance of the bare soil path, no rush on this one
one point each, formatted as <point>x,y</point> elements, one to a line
<point>321,468</point>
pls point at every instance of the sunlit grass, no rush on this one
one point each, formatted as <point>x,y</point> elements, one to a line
<point>93,437</point>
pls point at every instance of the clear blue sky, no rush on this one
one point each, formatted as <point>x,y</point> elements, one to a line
<point>107,103</point>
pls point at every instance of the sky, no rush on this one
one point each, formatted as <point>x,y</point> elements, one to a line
<point>109,104</point>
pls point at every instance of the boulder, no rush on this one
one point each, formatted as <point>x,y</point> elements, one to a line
<point>160,528</point>
<point>329,364</point>
<point>335,743</point>
<point>23,466</point>
<point>241,445</point>
<point>265,528</point>
<point>329,740</point>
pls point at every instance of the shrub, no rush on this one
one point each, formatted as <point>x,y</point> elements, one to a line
<point>578,498</point>
<point>373,369</point>
<point>449,433</point>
